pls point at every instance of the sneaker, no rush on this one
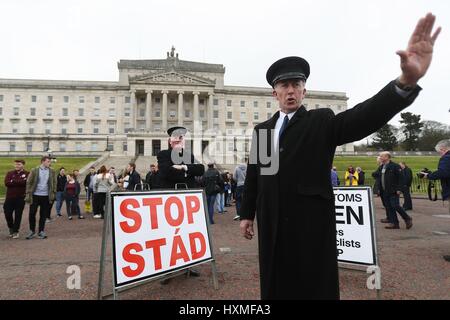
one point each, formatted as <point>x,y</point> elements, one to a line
<point>59,215</point>
<point>49,220</point>
<point>42,235</point>
<point>15,235</point>
<point>11,233</point>
<point>236,218</point>
<point>80,217</point>
<point>97,216</point>
<point>70,217</point>
<point>31,235</point>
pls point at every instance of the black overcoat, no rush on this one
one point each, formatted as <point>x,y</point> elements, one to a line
<point>294,208</point>
<point>169,176</point>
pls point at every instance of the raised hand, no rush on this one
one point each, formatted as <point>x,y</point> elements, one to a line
<point>416,59</point>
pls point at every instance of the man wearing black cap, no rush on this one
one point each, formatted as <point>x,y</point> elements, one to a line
<point>295,208</point>
<point>178,166</point>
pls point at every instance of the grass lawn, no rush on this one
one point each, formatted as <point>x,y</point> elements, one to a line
<point>7,164</point>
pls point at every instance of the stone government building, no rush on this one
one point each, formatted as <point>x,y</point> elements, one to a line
<point>130,117</point>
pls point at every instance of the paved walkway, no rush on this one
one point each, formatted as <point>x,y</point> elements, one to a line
<point>411,262</point>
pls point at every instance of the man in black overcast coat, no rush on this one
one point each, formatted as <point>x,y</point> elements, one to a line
<point>294,207</point>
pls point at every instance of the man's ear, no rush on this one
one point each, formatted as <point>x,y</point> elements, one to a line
<point>274,93</point>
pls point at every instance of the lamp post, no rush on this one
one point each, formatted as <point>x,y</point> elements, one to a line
<point>107,143</point>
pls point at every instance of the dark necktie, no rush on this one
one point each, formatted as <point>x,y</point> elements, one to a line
<point>283,126</point>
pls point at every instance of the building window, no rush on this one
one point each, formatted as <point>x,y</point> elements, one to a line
<point>63,128</point>
<point>242,104</point>
<point>112,100</point>
<point>172,113</point>
<point>216,114</point>
<point>1,98</point>
<point>216,102</point>
<point>96,112</point>
<point>127,99</point>
<point>112,112</point>
<point>230,146</point>
<point>187,113</point>
<point>229,115</point>
<point>255,104</point>
<point>16,111</point>
<point>32,112</point>
<point>269,104</point>
<point>111,127</point>
<point>66,99</point>
<point>31,128</point>
<point>125,146</point>
<point>1,111</point>
<point>110,147</point>
<point>127,127</point>
<point>29,146</point>
<point>255,116</point>
<point>48,112</point>
<point>96,127</point>
<point>157,100</point>
<point>141,112</point>
<point>127,112</point>
<point>158,113</point>
<point>12,147</point>
<point>228,103</point>
<point>172,101</point>
<point>50,99</point>
<point>78,147</point>
<point>15,127</point>
<point>17,98</point>
<point>33,98</point>
<point>201,102</point>
<point>48,127</point>
<point>80,112</point>
<point>81,99</point>
<point>269,115</point>
<point>94,146</point>
<point>62,146</point>
<point>243,116</point>
<point>202,113</point>
<point>97,100</point>
<point>80,126</point>
<point>65,112</point>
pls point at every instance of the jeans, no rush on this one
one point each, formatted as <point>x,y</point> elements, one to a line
<point>59,201</point>
<point>239,191</point>
<point>89,193</point>
<point>220,202</point>
<point>13,208</point>
<point>392,202</point>
<point>72,205</point>
<point>211,199</point>
<point>44,204</point>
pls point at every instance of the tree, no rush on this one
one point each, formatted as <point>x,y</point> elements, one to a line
<point>411,128</point>
<point>384,138</point>
<point>432,133</point>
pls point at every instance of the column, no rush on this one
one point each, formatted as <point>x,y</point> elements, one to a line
<point>180,108</point>
<point>210,112</point>
<point>164,111</point>
<point>148,112</point>
<point>133,109</point>
<point>119,115</point>
<point>197,134</point>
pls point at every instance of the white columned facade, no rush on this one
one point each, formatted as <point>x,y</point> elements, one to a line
<point>148,112</point>
<point>133,108</point>
<point>164,110</point>
<point>180,108</point>
<point>197,134</point>
<point>119,115</point>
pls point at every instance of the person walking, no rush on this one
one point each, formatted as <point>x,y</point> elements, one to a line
<point>239,175</point>
<point>15,182</point>
<point>407,178</point>
<point>40,192</point>
<point>61,181</point>
<point>72,191</point>
<point>103,183</point>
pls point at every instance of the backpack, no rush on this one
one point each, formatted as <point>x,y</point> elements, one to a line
<point>211,186</point>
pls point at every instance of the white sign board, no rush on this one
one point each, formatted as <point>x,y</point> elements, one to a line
<point>355,234</point>
<point>157,232</point>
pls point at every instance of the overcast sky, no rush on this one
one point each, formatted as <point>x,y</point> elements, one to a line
<point>350,45</point>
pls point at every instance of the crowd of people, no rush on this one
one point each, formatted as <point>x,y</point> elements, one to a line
<point>42,187</point>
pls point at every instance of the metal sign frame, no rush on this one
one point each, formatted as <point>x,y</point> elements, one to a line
<point>108,233</point>
<point>364,267</point>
